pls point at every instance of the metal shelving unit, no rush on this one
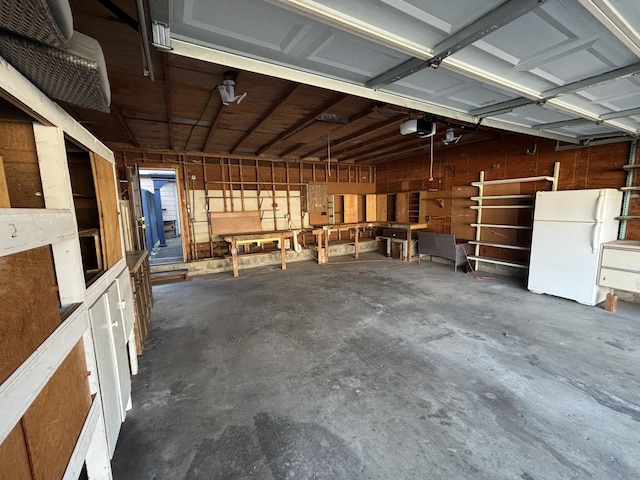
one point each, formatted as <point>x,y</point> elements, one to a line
<point>479,225</point>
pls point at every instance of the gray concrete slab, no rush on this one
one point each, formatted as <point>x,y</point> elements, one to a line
<point>381,370</point>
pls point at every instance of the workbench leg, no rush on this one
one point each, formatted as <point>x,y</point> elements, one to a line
<point>326,246</point>
<point>234,258</point>
<point>356,242</point>
<point>283,254</point>
<point>611,303</point>
<point>320,246</point>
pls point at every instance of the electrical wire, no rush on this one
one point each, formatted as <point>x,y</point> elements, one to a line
<point>431,160</point>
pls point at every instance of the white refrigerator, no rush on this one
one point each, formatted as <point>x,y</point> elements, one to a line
<point>569,228</point>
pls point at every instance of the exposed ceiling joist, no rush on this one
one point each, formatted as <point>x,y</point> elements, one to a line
<point>359,134</point>
<point>212,128</point>
<point>126,129</point>
<point>266,114</point>
<point>304,123</point>
<point>504,14</point>
<point>120,13</point>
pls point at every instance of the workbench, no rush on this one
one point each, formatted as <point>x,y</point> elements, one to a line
<point>257,238</point>
<point>323,235</point>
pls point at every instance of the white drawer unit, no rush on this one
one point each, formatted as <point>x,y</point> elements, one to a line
<point>620,266</point>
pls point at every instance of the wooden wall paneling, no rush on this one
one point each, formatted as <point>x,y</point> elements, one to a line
<point>107,193</point>
<point>29,307</point>
<point>462,216</point>
<point>437,205</point>
<point>14,456</point>
<point>4,189</point>
<point>54,420</point>
<point>316,197</point>
<point>21,168</point>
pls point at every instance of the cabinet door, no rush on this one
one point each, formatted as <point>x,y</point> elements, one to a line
<point>116,313</point>
<point>107,373</point>
<point>350,208</point>
<point>107,327</point>
<point>402,207</point>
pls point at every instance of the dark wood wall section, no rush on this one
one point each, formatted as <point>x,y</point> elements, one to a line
<point>580,168</point>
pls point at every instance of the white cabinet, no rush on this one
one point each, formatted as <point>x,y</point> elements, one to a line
<point>620,266</point>
<point>108,328</point>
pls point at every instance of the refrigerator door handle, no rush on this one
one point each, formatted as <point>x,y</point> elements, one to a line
<point>600,206</point>
<point>595,236</point>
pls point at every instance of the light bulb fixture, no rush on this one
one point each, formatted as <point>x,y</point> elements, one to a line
<point>450,137</point>
<point>227,89</point>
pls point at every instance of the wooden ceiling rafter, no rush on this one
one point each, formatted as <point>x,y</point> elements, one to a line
<point>166,64</point>
<point>266,114</point>
<point>304,123</point>
<point>385,124</point>
<point>352,119</point>
<point>126,129</point>
<point>212,127</point>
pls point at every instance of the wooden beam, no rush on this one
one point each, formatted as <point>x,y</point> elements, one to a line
<point>304,123</point>
<point>377,144</point>
<point>266,114</point>
<point>126,130</point>
<point>214,122</point>
<point>352,119</point>
<point>384,124</point>
<point>166,64</point>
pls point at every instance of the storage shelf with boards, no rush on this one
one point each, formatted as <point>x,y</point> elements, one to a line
<point>628,191</point>
<point>498,206</point>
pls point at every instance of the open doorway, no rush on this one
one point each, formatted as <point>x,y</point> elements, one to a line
<point>161,211</point>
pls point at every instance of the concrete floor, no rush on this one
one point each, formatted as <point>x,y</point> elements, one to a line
<point>172,253</point>
<point>381,370</point>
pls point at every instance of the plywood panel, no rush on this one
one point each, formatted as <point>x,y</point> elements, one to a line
<point>14,456</point>
<point>437,205</point>
<point>54,420</point>
<point>21,164</point>
<point>223,223</point>
<point>105,183</point>
<point>371,208</point>
<point>4,190</point>
<point>350,208</point>
<point>316,197</point>
<point>318,219</point>
<point>28,306</point>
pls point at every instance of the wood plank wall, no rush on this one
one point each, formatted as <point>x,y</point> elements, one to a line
<point>582,168</point>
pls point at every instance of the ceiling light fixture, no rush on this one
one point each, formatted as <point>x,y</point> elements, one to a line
<point>227,89</point>
<point>450,137</point>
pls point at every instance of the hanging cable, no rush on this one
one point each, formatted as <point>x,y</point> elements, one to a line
<point>431,160</point>
<point>329,151</point>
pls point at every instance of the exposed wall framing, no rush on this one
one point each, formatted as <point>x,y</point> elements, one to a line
<point>236,186</point>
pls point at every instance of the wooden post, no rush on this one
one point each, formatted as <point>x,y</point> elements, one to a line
<point>327,234</point>
<point>611,303</point>
<point>283,252</point>
<point>4,190</point>
<point>234,257</point>
<point>357,241</point>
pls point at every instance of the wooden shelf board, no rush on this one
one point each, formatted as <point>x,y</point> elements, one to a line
<point>488,225</point>
<point>501,197</point>
<point>498,245</point>
<point>514,180</point>
<point>481,207</point>
<point>498,262</point>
